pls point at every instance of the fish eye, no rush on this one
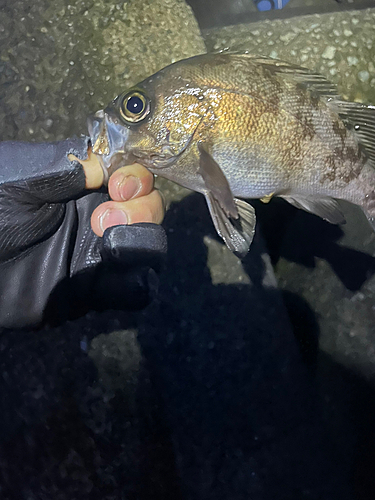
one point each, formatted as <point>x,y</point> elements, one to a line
<point>134,107</point>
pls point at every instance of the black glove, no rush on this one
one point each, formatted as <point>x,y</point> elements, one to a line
<point>50,260</point>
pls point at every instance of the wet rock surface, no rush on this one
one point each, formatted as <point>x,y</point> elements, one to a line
<point>208,393</point>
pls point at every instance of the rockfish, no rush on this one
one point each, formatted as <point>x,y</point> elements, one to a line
<point>236,125</point>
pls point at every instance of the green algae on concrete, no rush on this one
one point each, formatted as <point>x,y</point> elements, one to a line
<point>61,61</point>
<point>340,46</point>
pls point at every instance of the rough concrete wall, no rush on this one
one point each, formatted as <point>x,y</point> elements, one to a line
<point>340,46</point>
<point>60,61</point>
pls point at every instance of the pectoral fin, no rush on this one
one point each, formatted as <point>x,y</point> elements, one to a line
<point>327,208</point>
<point>216,182</point>
<point>237,234</point>
<point>234,219</point>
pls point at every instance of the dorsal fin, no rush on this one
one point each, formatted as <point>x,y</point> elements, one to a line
<point>302,76</point>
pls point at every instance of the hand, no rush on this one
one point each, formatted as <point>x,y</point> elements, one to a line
<point>47,245</point>
<point>134,199</point>
<point>131,188</point>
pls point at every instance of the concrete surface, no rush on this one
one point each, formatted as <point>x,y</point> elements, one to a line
<point>340,46</point>
<point>61,61</point>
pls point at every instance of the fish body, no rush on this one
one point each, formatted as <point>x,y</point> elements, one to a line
<point>234,126</point>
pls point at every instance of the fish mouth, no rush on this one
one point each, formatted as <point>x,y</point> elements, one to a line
<point>109,139</point>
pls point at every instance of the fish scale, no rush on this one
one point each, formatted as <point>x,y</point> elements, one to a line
<point>236,125</point>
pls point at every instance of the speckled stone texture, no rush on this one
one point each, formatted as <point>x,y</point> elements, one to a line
<point>60,61</point>
<point>340,46</point>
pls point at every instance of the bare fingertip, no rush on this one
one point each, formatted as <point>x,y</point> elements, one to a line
<point>111,218</point>
<point>129,187</point>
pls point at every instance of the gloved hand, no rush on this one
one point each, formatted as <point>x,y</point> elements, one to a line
<point>45,234</point>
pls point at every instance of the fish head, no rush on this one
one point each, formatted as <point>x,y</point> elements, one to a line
<point>152,123</point>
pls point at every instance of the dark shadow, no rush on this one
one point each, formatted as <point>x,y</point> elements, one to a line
<point>243,410</point>
<point>300,237</point>
<point>63,435</point>
<point>225,407</point>
<point>105,287</point>
<point>349,413</point>
<point>363,414</point>
<point>305,327</point>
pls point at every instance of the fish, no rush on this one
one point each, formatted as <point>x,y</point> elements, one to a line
<point>236,126</point>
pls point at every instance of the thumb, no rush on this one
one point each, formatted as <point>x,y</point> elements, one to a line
<point>92,169</point>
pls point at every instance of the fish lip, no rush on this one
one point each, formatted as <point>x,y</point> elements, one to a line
<point>108,140</point>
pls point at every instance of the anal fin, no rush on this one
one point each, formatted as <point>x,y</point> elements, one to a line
<point>325,207</point>
<point>237,234</point>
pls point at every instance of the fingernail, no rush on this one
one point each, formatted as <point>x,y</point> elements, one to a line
<point>112,218</point>
<point>129,187</point>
